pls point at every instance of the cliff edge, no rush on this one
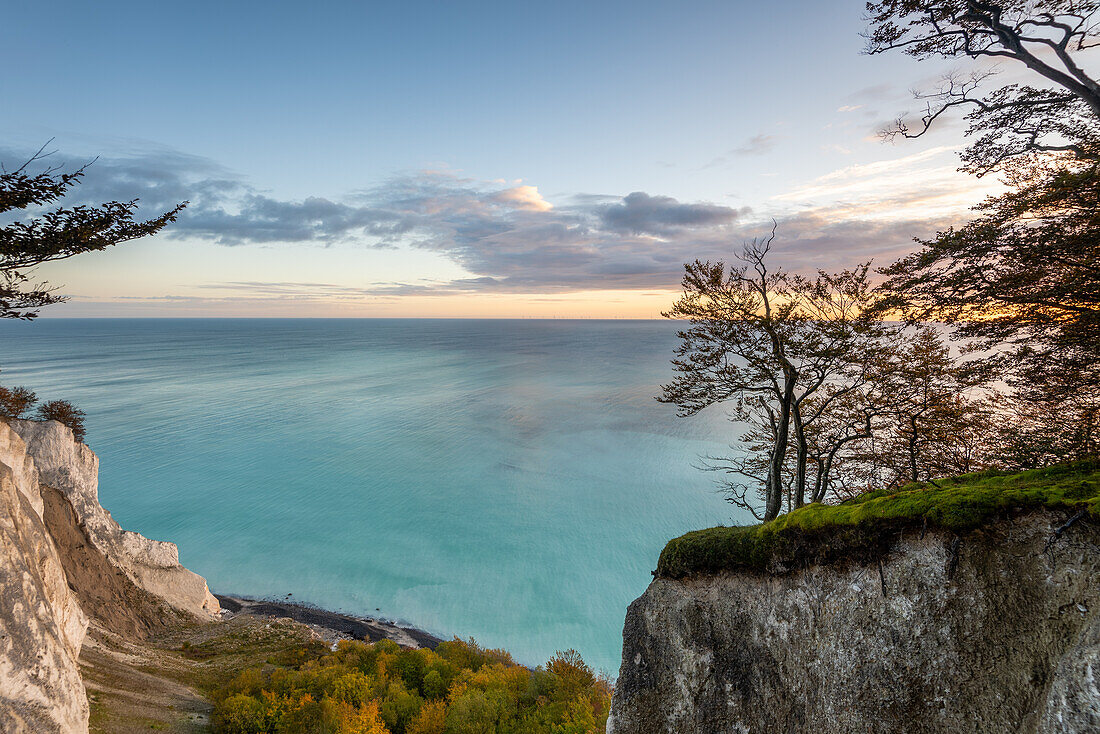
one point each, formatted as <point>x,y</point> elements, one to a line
<point>65,562</point>
<point>993,627</point>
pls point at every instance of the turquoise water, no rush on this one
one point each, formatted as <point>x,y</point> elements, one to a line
<point>512,481</point>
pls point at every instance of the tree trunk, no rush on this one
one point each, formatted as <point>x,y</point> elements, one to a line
<point>800,459</point>
<point>774,489</point>
<point>913,448</point>
<point>821,482</point>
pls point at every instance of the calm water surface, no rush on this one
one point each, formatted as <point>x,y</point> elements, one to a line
<point>513,481</point>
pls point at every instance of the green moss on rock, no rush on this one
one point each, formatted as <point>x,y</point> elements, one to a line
<point>864,527</point>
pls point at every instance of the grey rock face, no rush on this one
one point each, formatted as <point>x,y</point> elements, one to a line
<point>1003,638</point>
<point>1073,700</point>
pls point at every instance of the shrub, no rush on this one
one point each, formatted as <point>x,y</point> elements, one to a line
<point>15,401</point>
<point>64,412</point>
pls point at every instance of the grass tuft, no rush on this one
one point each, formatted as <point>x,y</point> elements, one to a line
<point>864,527</point>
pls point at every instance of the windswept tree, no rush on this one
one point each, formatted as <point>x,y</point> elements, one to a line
<point>48,234</point>
<point>782,350</point>
<point>1024,275</point>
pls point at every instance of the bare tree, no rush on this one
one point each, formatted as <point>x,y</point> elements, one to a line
<point>784,350</point>
<point>736,347</point>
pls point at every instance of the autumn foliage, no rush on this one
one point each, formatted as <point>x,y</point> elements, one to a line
<point>380,688</point>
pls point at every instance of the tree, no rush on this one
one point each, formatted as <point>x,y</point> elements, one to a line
<point>1046,36</point>
<point>15,401</point>
<point>932,421</point>
<point>850,352</point>
<point>55,234</point>
<point>1026,269</point>
<point>1024,275</point>
<point>836,440</point>
<point>64,412</point>
<point>1033,430</point>
<point>736,349</point>
<point>783,350</point>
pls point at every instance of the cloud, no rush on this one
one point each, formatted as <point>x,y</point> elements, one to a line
<point>876,93</point>
<point>507,238</point>
<point>918,187</point>
<point>222,206</point>
<point>524,197</point>
<point>756,145</point>
<point>641,213</point>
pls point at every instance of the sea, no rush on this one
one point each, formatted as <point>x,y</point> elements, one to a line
<point>510,481</point>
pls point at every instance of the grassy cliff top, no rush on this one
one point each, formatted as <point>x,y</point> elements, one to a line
<point>864,527</point>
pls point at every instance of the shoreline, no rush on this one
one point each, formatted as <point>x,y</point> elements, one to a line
<point>331,626</point>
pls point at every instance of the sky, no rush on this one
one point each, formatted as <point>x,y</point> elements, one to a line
<point>468,159</point>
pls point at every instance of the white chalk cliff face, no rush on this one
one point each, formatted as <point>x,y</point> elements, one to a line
<point>41,625</point>
<point>63,558</point>
<point>72,469</point>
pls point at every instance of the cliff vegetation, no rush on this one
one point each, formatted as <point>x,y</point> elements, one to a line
<point>865,526</point>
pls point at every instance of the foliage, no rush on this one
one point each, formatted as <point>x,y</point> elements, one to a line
<point>861,525</point>
<point>15,401</point>
<point>380,688</point>
<point>1026,270</point>
<point>1023,277</point>
<point>1047,37</point>
<point>787,352</point>
<point>1026,286</point>
<point>64,412</point>
<point>55,234</point>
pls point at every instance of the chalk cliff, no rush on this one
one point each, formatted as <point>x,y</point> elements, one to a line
<point>994,631</point>
<point>63,560</point>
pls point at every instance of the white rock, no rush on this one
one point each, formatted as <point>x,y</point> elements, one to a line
<point>73,469</point>
<point>41,625</point>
